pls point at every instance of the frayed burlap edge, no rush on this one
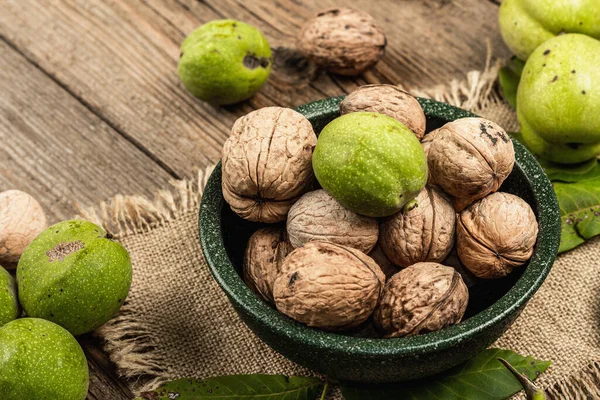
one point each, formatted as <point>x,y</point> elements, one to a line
<point>129,341</point>
<point>127,215</point>
<point>476,92</point>
<point>582,386</point>
<point>127,338</point>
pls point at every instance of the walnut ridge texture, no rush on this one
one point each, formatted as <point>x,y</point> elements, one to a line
<point>267,163</point>
<point>387,267</point>
<point>424,233</point>
<point>389,100</point>
<point>265,252</point>
<point>495,235</point>
<point>342,40</point>
<point>318,216</point>
<point>22,219</point>
<point>424,297</point>
<point>328,286</point>
<point>470,158</point>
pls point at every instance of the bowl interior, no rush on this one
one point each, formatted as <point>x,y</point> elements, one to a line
<point>490,301</point>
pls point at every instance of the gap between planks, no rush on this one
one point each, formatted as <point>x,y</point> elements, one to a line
<point>93,110</point>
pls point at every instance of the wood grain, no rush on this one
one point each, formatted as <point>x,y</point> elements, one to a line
<point>56,150</point>
<point>104,382</point>
<point>92,106</point>
<point>120,59</point>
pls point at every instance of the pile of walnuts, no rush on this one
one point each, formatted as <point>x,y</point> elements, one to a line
<point>333,269</point>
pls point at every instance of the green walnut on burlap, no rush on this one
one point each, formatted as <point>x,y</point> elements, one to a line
<point>178,323</point>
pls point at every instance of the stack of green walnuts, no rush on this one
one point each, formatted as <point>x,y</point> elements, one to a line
<point>558,99</point>
<point>71,278</point>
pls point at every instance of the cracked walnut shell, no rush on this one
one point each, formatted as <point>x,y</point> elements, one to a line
<point>495,235</point>
<point>470,158</point>
<point>423,233</point>
<point>22,219</point>
<point>265,252</point>
<point>267,163</point>
<point>342,40</point>
<point>318,216</point>
<point>424,297</point>
<point>328,286</point>
<point>389,100</point>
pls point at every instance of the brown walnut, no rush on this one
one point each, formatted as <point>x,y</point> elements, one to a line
<point>266,250</point>
<point>427,139</point>
<point>318,216</point>
<point>424,297</point>
<point>267,163</point>
<point>342,40</point>
<point>328,286</point>
<point>387,267</point>
<point>470,158</point>
<point>423,233</point>
<point>389,100</point>
<point>496,234</point>
<point>22,219</point>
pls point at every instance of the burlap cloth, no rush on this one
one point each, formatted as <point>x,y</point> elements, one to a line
<point>177,322</point>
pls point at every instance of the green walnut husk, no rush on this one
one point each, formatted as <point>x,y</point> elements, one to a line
<point>224,61</point>
<point>371,163</point>
<point>74,275</point>
<point>558,99</point>
<point>9,304</point>
<point>525,24</point>
<point>42,361</point>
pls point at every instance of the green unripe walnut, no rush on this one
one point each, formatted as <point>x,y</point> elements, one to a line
<point>558,100</point>
<point>525,24</point>
<point>371,163</point>
<point>74,275</point>
<point>571,153</point>
<point>224,61</point>
<point>9,305</point>
<point>42,361</point>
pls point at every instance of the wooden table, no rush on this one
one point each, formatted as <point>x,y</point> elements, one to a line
<point>91,105</point>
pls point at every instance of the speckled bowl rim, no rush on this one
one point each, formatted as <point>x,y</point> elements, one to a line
<point>539,266</point>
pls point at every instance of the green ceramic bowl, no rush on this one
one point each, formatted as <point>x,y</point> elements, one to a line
<point>493,306</point>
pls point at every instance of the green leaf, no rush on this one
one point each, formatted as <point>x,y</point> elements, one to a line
<point>577,188</point>
<point>233,387</point>
<point>589,170</point>
<point>579,204</point>
<point>509,78</point>
<point>481,378</point>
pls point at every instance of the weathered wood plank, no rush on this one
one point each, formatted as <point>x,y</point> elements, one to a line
<point>418,31</point>
<point>56,150</point>
<point>104,382</point>
<point>120,58</point>
<point>116,57</point>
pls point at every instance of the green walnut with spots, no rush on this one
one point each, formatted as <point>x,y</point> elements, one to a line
<point>558,99</point>
<point>42,361</point>
<point>9,304</point>
<point>73,274</point>
<point>225,61</point>
<point>371,163</point>
<point>525,24</point>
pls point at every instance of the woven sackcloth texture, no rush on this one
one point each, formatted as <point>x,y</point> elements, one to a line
<point>177,322</point>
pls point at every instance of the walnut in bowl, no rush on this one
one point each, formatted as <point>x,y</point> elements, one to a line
<point>224,235</point>
<point>318,216</point>
<point>423,233</point>
<point>267,163</point>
